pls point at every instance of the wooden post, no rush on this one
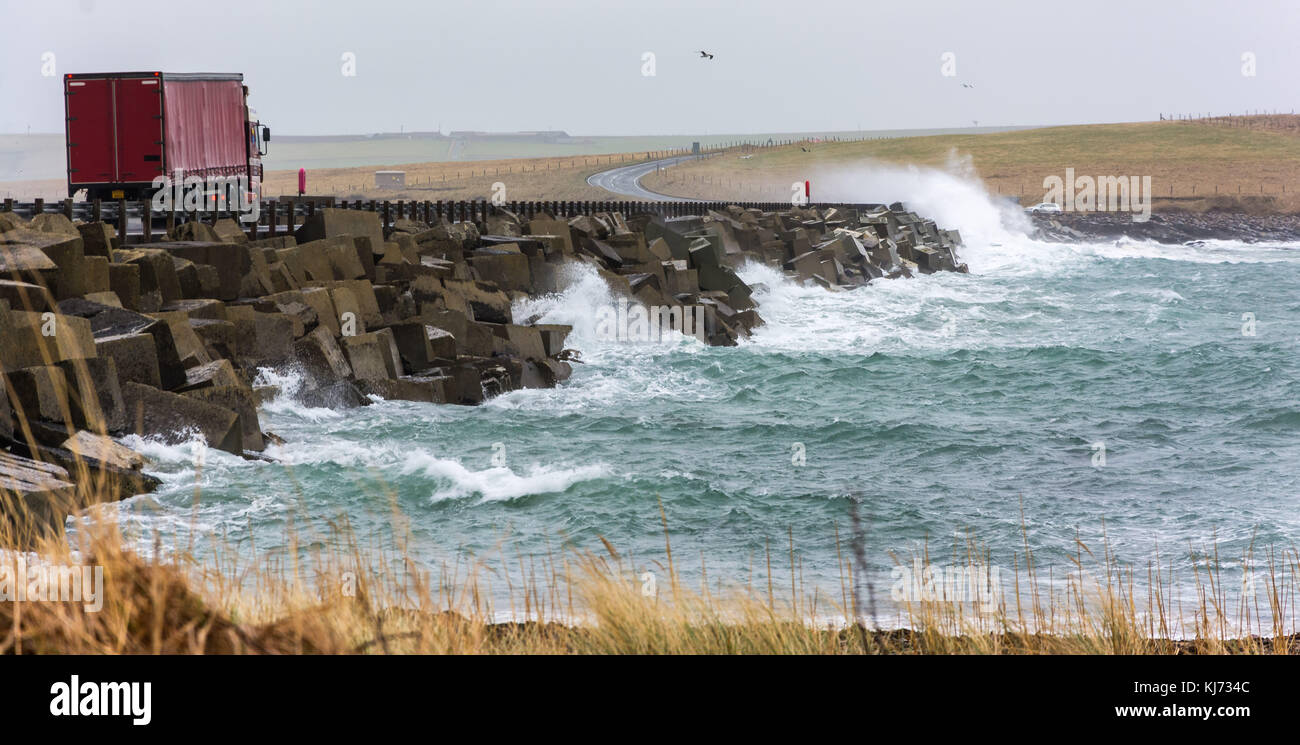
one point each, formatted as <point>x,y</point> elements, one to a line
<point>67,209</point>
<point>146,220</point>
<point>95,211</point>
<point>273,217</point>
<point>121,220</point>
<point>384,220</point>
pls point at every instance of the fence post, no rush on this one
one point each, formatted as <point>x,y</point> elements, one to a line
<point>121,220</point>
<point>146,220</point>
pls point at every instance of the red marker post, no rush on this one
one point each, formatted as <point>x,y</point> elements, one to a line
<point>807,192</point>
<point>302,181</point>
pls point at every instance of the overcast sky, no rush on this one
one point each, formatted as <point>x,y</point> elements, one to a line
<point>577,65</point>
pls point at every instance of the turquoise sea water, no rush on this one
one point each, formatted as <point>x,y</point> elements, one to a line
<point>946,405</point>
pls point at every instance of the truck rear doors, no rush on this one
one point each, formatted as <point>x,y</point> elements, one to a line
<point>115,132</point>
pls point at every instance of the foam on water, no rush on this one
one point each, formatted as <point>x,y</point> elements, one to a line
<point>289,382</point>
<point>577,305</point>
<point>936,312</point>
<point>1203,252</point>
<point>182,462</point>
<point>496,484</point>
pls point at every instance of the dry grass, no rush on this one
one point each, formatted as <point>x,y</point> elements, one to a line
<point>351,602</point>
<point>1193,165</point>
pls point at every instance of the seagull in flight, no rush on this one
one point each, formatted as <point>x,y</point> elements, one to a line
<point>705,55</point>
<point>968,85</point>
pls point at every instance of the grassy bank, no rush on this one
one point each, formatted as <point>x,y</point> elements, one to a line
<point>1249,164</point>
<point>1192,165</point>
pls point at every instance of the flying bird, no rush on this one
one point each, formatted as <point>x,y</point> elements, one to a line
<point>968,85</point>
<point>705,55</point>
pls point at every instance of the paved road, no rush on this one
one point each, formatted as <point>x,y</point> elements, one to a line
<point>626,180</point>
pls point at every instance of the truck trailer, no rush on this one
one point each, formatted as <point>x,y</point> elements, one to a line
<point>130,134</point>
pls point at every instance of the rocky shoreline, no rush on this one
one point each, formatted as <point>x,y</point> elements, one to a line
<point>1168,227</point>
<point>101,339</point>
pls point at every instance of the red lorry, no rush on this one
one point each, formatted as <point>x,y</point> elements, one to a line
<point>126,129</point>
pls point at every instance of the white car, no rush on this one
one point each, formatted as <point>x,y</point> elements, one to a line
<point>1044,207</point>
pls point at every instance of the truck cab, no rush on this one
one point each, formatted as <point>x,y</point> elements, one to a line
<point>259,138</point>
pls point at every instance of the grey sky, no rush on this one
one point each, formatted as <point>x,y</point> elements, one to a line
<point>576,64</point>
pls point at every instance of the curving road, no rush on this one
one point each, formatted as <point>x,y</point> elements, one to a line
<point>626,180</point>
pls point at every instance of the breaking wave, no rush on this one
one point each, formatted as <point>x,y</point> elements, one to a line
<point>499,483</point>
